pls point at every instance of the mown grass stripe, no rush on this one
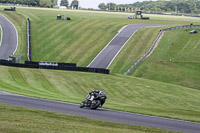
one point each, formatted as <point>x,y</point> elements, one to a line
<point>58,45</point>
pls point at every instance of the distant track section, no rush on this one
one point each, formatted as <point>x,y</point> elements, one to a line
<point>9,40</point>
<point>108,54</point>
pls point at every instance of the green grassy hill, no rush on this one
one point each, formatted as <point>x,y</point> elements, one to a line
<point>176,64</point>
<point>81,39</point>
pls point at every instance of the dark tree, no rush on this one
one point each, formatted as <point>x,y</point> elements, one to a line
<point>102,6</point>
<point>74,4</point>
<point>64,3</point>
<point>45,3</point>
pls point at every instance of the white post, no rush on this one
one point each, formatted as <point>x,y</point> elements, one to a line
<point>78,4</point>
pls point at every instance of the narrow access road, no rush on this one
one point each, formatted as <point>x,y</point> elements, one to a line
<point>9,40</point>
<point>108,54</point>
<point>103,114</point>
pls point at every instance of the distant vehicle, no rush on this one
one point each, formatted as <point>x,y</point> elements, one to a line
<point>10,9</point>
<point>130,17</point>
<point>193,31</point>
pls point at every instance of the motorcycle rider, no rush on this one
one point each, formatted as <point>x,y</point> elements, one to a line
<point>93,95</point>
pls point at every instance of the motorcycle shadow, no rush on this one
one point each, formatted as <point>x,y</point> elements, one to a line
<point>98,109</point>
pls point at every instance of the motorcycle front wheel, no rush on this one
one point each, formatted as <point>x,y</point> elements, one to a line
<point>81,105</point>
<point>96,105</point>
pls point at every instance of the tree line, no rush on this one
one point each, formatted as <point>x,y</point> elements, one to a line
<point>41,3</point>
<point>74,4</point>
<point>172,6</point>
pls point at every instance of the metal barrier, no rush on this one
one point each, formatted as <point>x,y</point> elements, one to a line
<point>18,58</point>
<point>29,40</point>
<point>150,50</point>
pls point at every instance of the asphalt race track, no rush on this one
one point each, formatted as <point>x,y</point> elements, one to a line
<point>104,114</point>
<point>108,54</point>
<point>9,40</point>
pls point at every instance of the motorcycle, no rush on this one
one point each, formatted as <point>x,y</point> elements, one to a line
<point>96,102</point>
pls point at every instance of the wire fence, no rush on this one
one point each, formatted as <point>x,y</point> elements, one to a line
<point>152,47</point>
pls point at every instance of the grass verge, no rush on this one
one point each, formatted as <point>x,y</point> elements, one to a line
<point>18,119</point>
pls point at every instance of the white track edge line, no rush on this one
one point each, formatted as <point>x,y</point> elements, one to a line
<point>1,35</point>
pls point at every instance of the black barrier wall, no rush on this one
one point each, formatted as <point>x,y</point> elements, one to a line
<point>63,66</point>
<point>50,64</point>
